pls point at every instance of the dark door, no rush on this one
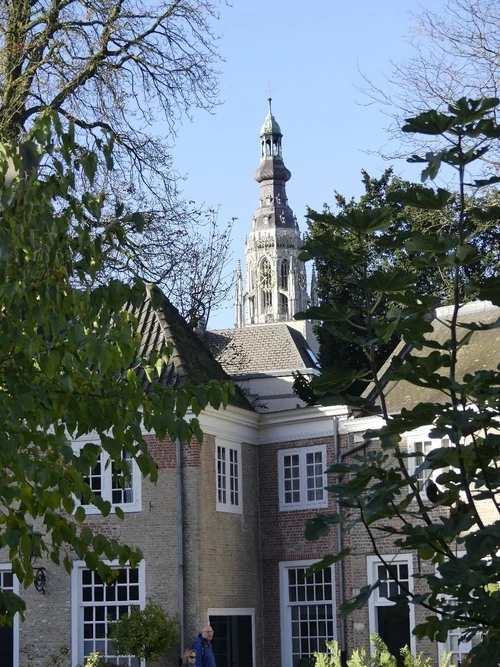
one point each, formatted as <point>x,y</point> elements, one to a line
<point>6,646</point>
<point>6,631</point>
<point>394,629</point>
<point>232,640</point>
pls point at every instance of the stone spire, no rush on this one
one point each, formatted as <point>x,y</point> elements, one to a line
<point>275,277</point>
<point>239,314</point>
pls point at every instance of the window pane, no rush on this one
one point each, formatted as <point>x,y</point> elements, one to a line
<point>221,475</point>
<point>314,476</point>
<point>233,476</point>
<point>100,610</point>
<point>94,479</point>
<point>311,624</point>
<point>291,475</point>
<point>121,484</point>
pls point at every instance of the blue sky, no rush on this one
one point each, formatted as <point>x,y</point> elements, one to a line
<point>309,55</point>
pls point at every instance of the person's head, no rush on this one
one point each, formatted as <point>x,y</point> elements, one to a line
<point>189,657</point>
<point>207,632</point>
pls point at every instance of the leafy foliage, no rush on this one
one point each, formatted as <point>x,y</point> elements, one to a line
<point>337,238</point>
<point>381,657</point>
<point>145,633</point>
<point>68,361</point>
<point>378,489</point>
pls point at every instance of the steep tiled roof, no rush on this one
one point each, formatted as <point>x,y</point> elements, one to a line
<point>158,322</point>
<point>482,352</point>
<point>259,349</point>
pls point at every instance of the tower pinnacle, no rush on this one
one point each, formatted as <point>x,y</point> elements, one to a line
<point>275,277</point>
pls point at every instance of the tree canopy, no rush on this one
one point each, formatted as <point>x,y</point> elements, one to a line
<point>378,489</point>
<point>338,284</point>
<point>69,364</point>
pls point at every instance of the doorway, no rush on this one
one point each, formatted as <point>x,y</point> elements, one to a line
<point>394,630</point>
<point>233,640</point>
<point>8,633</point>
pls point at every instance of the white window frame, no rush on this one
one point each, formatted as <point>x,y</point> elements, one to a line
<point>107,482</point>
<point>7,567</point>
<point>421,437</point>
<point>228,481</point>
<point>375,600</point>
<point>78,606</point>
<point>302,503</point>
<point>286,606</point>
<point>462,649</point>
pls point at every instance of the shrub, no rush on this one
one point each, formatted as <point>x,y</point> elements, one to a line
<point>145,633</point>
<point>381,657</point>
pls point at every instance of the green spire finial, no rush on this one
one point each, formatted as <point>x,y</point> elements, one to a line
<point>270,126</point>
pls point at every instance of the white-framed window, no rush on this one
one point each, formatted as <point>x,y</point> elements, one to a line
<point>421,446</point>
<point>96,604</point>
<point>393,625</point>
<point>228,476</point>
<point>9,634</point>
<point>302,478</point>
<point>307,610</point>
<point>459,649</point>
<point>107,481</point>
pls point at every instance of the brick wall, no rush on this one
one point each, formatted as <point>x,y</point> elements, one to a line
<point>222,562</point>
<point>282,538</point>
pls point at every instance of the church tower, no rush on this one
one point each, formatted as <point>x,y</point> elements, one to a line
<point>275,277</point>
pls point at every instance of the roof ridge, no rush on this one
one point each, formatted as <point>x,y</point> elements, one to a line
<point>469,307</point>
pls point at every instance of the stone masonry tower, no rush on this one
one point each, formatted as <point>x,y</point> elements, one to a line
<point>275,277</point>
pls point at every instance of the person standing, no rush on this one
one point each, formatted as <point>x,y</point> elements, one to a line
<point>202,645</point>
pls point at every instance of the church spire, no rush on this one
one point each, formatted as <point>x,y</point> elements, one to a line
<point>275,277</point>
<point>239,302</point>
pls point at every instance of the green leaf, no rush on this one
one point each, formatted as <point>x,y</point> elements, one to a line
<point>26,545</point>
<point>320,525</point>
<point>428,122</point>
<point>80,514</point>
<point>489,289</point>
<point>422,198</point>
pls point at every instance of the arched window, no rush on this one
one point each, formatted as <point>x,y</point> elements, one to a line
<point>285,269</point>
<point>283,306</point>
<point>265,283</point>
<point>251,308</point>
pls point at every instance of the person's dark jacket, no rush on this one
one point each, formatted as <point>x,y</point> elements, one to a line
<point>204,652</point>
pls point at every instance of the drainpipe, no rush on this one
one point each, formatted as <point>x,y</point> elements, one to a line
<point>339,458</point>
<point>180,543</point>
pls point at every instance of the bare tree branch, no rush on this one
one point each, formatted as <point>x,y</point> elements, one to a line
<point>116,68</point>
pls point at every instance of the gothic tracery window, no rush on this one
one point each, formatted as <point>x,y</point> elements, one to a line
<point>283,306</point>
<point>284,274</point>
<point>266,283</point>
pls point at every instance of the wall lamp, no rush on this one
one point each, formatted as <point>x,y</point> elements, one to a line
<point>40,578</point>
